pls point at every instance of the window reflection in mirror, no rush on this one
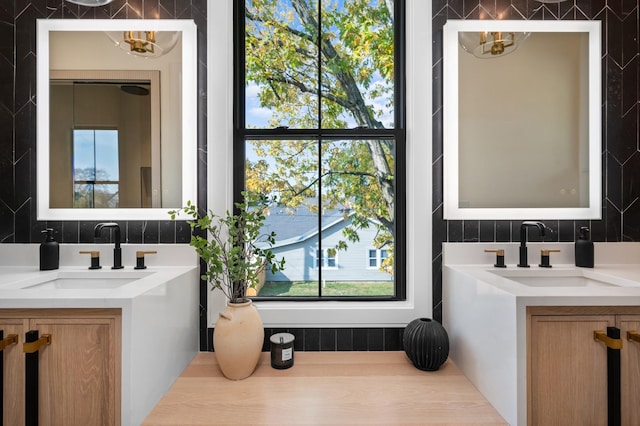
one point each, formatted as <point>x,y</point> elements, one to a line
<point>101,151</point>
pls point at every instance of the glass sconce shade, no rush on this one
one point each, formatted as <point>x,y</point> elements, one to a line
<point>147,44</point>
<point>491,44</point>
<point>92,3</point>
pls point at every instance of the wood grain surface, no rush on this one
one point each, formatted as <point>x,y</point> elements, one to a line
<point>325,388</point>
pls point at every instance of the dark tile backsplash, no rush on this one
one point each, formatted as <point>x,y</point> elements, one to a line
<point>621,159</point>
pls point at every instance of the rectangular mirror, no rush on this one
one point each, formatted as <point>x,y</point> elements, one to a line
<point>116,117</point>
<point>522,120</point>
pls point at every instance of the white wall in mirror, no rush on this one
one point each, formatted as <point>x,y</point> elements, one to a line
<point>522,132</point>
<point>178,80</point>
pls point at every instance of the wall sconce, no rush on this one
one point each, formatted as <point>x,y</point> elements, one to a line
<point>91,3</point>
<point>493,44</point>
<point>146,44</point>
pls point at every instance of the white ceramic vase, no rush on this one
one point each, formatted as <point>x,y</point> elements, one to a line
<point>237,340</point>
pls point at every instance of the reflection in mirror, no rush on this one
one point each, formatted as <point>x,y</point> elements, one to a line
<point>114,144</point>
<point>522,130</point>
<point>116,131</point>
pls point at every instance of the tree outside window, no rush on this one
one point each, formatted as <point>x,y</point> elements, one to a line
<point>320,127</point>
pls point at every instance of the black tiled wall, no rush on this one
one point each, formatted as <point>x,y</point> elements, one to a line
<point>620,154</point>
<point>18,101</point>
<point>336,339</point>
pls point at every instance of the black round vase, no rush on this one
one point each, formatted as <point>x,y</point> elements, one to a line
<point>426,343</point>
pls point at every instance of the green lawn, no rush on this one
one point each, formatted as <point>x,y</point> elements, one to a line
<point>310,288</point>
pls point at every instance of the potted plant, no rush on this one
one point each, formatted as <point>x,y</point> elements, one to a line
<point>231,247</point>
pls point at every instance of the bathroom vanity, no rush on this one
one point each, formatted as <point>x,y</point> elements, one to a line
<point>107,343</point>
<point>533,340</point>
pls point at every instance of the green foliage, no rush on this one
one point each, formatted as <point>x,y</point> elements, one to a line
<point>229,245</point>
<point>355,51</point>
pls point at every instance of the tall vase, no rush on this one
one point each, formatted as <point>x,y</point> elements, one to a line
<point>237,340</point>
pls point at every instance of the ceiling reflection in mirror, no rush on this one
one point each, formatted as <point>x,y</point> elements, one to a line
<point>522,126</point>
<point>119,141</point>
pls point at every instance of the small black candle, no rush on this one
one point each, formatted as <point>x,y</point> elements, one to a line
<point>282,350</point>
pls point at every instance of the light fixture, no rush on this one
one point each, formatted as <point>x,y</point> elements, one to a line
<point>551,1</point>
<point>491,44</point>
<point>147,44</point>
<point>92,3</point>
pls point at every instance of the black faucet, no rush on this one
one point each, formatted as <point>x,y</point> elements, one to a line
<point>117,252</point>
<point>523,240</point>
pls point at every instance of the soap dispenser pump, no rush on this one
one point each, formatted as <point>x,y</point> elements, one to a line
<point>584,249</point>
<point>49,252</point>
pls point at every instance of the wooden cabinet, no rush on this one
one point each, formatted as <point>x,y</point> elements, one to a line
<point>567,367</point>
<point>79,371</point>
<point>13,372</point>
<point>630,367</point>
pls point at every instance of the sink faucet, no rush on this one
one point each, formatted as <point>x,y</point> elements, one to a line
<point>523,240</point>
<point>117,252</point>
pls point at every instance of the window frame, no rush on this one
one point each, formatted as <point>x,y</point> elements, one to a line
<point>378,257</point>
<point>398,134</point>
<point>424,165</point>
<point>326,257</point>
<point>95,181</point>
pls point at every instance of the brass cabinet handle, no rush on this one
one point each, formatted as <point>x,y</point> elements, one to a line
<point>633,335</point>
<point>11,339</point>
<point>31,347</point>
<point>610,342</point>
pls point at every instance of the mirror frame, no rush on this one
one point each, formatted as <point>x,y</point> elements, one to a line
<point>450,101</point>
<point>189,115</point>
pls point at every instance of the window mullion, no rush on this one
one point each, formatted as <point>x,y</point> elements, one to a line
<point>319,142</point>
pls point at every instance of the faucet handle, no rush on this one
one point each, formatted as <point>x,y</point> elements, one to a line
<point>499,257</point>
<point>544,257</point>
<point>140,258</point>
<point>95,258</point>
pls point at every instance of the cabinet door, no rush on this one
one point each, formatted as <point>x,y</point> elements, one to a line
<point>77,372</point>
<point>630,370</point>
<point>568,370</point>
<point>13,373</point>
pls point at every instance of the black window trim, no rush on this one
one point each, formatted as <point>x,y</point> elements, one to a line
<point>398,133</point>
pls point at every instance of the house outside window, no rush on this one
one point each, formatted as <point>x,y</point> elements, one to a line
<point>319,125</point>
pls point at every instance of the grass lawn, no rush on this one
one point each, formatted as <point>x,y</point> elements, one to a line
<point>310,288</point>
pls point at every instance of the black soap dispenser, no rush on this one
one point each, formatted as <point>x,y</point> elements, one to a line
<point>584,249</point>
<point>49,252</point>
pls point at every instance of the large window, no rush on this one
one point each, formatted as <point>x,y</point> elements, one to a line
<point>319,125</point>
<point>95,168</point>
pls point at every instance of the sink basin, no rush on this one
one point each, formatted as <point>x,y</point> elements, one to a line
<point>80,283</point>
<point>560,282</point>
<point>84,280</point>
<point>570,278</point>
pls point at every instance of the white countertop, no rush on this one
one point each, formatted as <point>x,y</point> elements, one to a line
<point>626,290</point>
<point>11,278</point>
<point>19,265</point>
<point>159,308</point>
<point>485,313</point>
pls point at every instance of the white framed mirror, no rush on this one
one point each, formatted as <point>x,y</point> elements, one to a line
<point>116,131</point>
<point>522,124</point>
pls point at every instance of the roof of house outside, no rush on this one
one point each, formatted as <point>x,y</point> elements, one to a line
<point>296,225</point>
